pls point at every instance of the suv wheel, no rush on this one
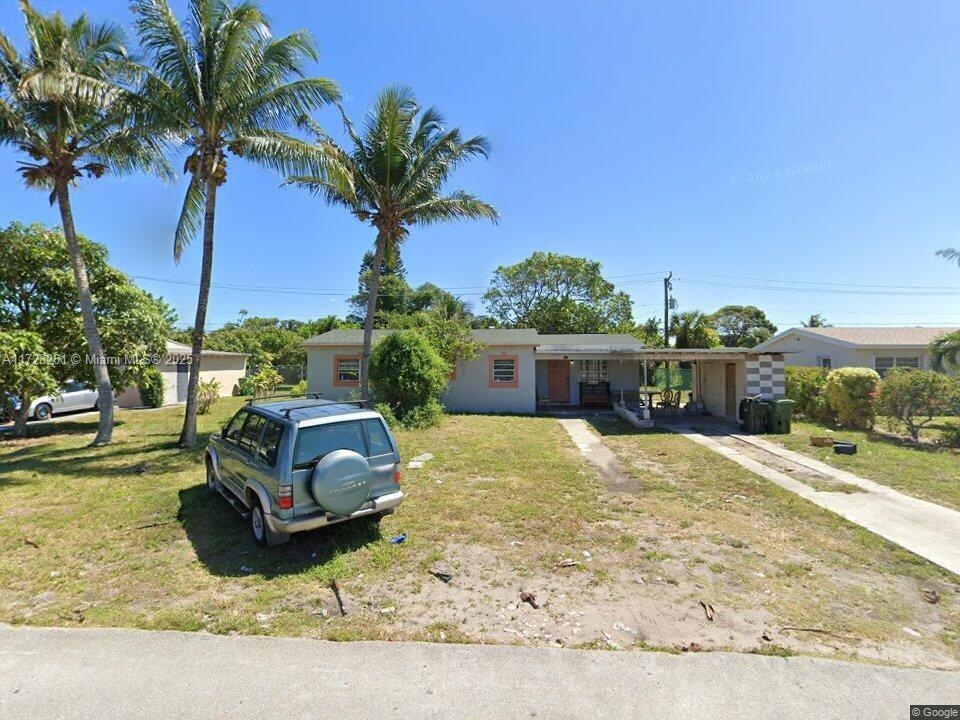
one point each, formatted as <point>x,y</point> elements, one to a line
<point>258,525</point>
<point>211,477</point>
<point>43,411</point>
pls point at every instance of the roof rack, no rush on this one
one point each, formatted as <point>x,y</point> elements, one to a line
<point>255,400</point>
<point>361,404</point>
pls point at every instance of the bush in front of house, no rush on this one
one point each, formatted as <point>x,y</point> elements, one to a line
<point>915,397</point>
<point>207,393</point>
<point>408,375</point>
<point>851,394</point>
<point>804,385</point>
<point>950,436</point>
<point>151,387</point>
<point>261,383</point>
<point>299,389</point>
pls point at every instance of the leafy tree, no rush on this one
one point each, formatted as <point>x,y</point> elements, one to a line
<point>66,104</point>
<point>693,329</point>
<point>650,333</point>
<point>557,294</point>
<point>409,375</point>
<point>38,294</point>
<point>945,352</point>
<point>804,385</point>
<point>23,374</point>
<point>915,397</point>
<point>814,321</point>
<point>220,84</point>
<point>316,327</point>
<point>449,334</point>
<point>393,176</point>
<point>742,325</point>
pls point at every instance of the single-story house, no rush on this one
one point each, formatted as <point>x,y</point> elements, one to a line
<point>521,371</point>
<point>227,368</point>
<point>880,348</point>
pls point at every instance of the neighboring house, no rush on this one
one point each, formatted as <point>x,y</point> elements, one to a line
<point>227,368</point>
<point>519,371</point>
<point>880,348</point>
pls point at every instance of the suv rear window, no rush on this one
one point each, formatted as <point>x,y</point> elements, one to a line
<point>318,440</point>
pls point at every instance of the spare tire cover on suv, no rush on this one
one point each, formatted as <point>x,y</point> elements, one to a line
<point>341,482</point>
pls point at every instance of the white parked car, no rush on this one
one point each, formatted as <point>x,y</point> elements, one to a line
<point>74,396</point>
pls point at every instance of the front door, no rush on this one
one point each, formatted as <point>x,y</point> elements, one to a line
<point>730,390</point>
<point>558,377</point>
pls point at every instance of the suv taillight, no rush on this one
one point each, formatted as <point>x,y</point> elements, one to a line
<point>396,475</point>
<point>285,497</point>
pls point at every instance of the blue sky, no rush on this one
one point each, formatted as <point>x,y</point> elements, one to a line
<point>802,143</point>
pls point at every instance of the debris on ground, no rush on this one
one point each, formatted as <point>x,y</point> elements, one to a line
<point>911,632</point>
<point>530,599</point>
<point>765,635</point>
<point>708,610</point>
<point>336,593</point>
<point>931,596</point>
<point>418,461</point>
<point>692,647</point>
<point>516,543</point>
<point>441,573</point>
<point>388,610</point>
<point>245,569</point>
<point>587,555</point>
<point>397,539</point>
<point>566,562</point>
<point>821,631</point>
<point>31,543</point>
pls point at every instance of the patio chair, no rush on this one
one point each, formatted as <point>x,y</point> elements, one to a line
<point>669,401</point>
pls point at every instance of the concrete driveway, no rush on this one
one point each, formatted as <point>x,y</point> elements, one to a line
<point>60,673</point>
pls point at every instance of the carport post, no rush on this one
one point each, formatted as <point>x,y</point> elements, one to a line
<point>621,381</point>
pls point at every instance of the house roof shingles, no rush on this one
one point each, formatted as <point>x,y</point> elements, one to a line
<point>883,336</point>
<point>493,336</point>
<point>602,342</point>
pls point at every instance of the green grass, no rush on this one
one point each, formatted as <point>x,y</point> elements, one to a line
<point>924,471</point>
<point>128,535</point>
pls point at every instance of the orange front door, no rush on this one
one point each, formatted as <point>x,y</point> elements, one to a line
<point>558,373</point>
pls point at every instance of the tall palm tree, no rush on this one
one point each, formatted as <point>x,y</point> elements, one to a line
<point>67,104</point>
<point>693,329</point>
<point>222,85</point>
<point>945,352</point>
<point>393,177</point>
<point>950,254</point>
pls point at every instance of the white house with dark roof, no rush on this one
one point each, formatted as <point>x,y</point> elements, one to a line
<point>880,348</point>
<point>521,371</point>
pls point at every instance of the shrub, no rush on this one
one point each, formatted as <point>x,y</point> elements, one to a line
<point>207,393</point>
<point>387,413</point>
<point>915,397</point>
<point>409,375</point>
<point>804,385</point>
<point>851,392</point>
<point>151,387</point>
<point>950,436</point>
<point>263,383</point>
<point>299,389</point>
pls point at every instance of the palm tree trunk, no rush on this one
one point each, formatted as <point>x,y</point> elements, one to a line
<point>373,290</point>
<point>90,330</point>
<point>188,435</point>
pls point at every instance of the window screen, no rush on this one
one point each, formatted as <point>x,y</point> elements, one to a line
<point>504,370</point>
<point>319,440</point>
<point>348,369</point>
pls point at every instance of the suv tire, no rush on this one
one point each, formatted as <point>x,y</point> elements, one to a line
<point>211,477</point>
<point>261,532</point>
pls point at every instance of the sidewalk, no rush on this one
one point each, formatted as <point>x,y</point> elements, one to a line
<point>60,673</point>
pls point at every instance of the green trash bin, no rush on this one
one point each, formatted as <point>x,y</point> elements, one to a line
<point>781,412</point>
<point>754,415</point>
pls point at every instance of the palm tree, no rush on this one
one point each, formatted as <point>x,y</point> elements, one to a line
<point>693,329</point>
<point>950,254</point>
<point>393,177</point>
<point>945,352</point>
<point>67,105</point>
<point>222,85</point>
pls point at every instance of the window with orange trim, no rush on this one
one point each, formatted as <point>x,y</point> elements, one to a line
<point>346,370</point>
<point>504,371</point>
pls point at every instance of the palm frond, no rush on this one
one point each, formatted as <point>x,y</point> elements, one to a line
<point>950,254</point>
<point>457,206</point>
<point>945,352</point>
<point>191,216</point>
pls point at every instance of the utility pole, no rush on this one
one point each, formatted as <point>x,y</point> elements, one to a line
<point>667,287</point>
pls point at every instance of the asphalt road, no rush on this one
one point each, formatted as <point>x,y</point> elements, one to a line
<point>59,673</point>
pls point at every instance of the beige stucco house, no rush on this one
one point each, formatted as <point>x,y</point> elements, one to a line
<point>227,368</point>
<point>880,348</point>
<point>522,371</point>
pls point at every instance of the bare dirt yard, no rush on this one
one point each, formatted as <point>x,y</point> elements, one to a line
<point>128,535</point>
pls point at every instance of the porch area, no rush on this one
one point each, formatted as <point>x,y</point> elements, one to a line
<point>650,383</point>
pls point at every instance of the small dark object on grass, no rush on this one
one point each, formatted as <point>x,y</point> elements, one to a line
<point>31,543</point>
<point>692,647</point>
<point>931,596</point>
<point>397,539</point>
<point>140,468</point>
<point>336,592</point>
<point>441,574</point>
<point>765,635</point>
<point>530,599</point>
<point>708,610</point>
<point>845,448</point>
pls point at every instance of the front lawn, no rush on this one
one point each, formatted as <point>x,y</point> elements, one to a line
<point>927,472</point>
<point>128,536</point>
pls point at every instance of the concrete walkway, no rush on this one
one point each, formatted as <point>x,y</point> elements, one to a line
<point>599,455</point>
<point>104,674</point>
<point>929,530</point>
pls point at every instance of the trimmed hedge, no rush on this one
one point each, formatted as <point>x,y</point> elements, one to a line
<point>804,385</point>
<point>851,392</point>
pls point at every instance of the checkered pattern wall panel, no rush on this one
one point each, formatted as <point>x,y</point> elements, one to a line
<point>765,377</point>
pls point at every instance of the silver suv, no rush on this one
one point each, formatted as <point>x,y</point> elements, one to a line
<point>301,464</point>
